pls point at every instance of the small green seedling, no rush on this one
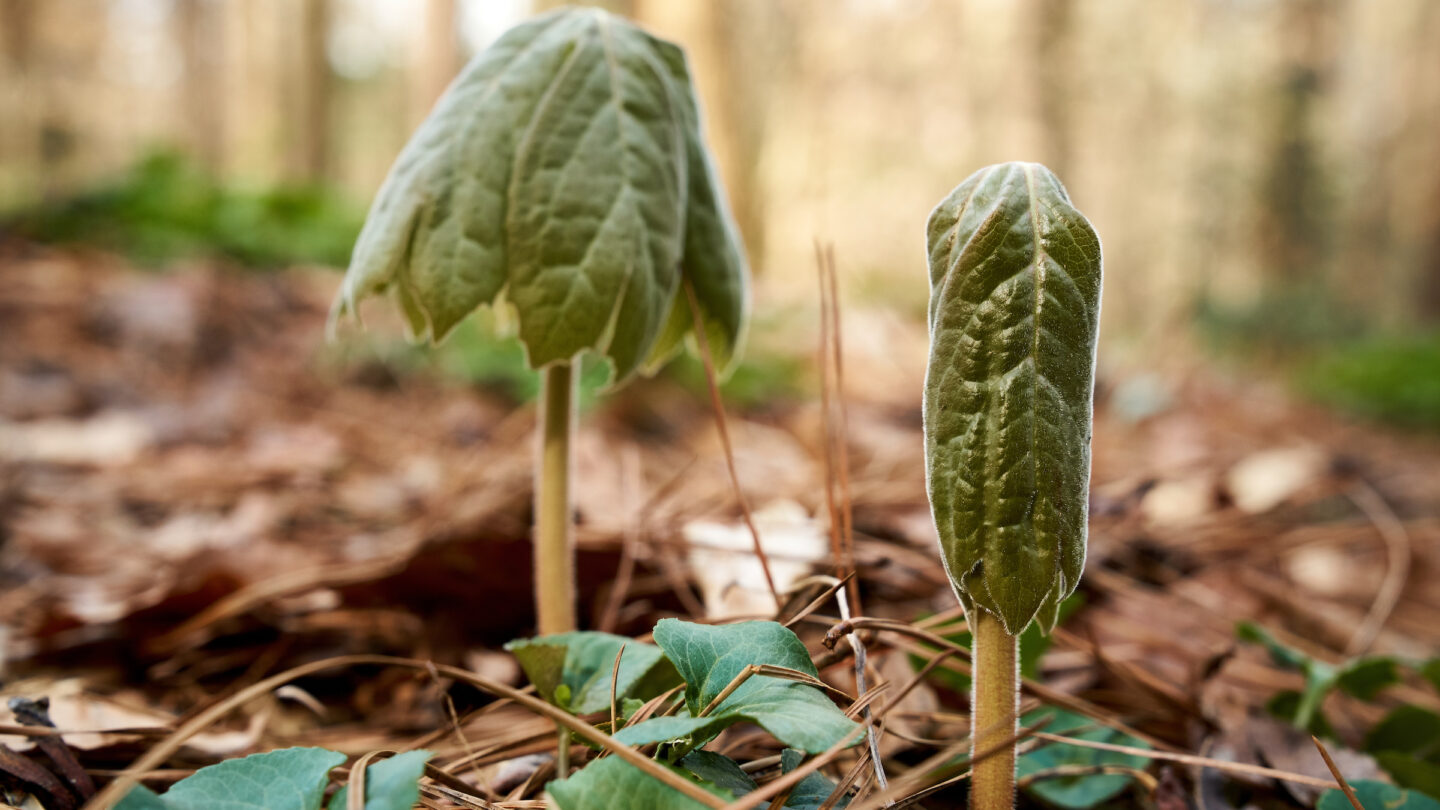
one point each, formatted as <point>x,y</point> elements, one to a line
<point>756,673</point>
<point>563,177</point>
<point>1014,311</point>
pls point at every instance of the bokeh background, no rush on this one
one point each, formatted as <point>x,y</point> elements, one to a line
<point>1265,174</point>
<point>197,489</point>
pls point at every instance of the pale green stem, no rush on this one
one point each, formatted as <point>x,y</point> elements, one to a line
<point>554,536</point>
<point>994,707</point>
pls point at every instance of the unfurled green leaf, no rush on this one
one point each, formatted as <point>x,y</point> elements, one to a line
<point>142,798</point>
<point>1014,311</point>
<point>563,172</point>
<point>1410,729</point>
<point>1430,670</point>
<point>583,662</point>
<point>1411,772</point>
<point>813,790</point>
<point>719,770</point>
<point>1364,678</point>
<point>1407,745</point>
<point>1377,796</point>
<point>614,784</point>
<point>288,779</point>
<point>709,657</point>
<point>1077,792</point>
<point>391,784</point>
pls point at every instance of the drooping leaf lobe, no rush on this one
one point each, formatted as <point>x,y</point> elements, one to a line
<point>563,172</point>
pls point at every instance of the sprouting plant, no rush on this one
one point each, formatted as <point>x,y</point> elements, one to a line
<point>1014,311</point>
<point>755,673</point>
<point>562,177</point>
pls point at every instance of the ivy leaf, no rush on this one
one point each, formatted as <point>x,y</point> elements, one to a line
<point>1377,796</point>
<point>719,770</point>
<point>1406,743</point>
<point>583,662</point>
<point>724,772</point>
<point>813,790</point>
<point>1430,670</point>
<point>288,779</point>
<point>614,784</point>
<point>563,172</point>
<point>708,658</point>
<point>1411,772</point>
<point>391,784</point>
<point>1364,678</point>
<point>142,798</point>
<point>1014,311</point>
<point>1410,729</point>
<point>1077,792</point>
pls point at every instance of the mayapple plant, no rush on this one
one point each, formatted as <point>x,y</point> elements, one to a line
<point>1014,310</point>
<point>563,177</point>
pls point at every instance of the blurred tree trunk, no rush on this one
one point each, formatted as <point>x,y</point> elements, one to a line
<point>1294,232</point>
<point>15,33</point>
<point>19,148</point>
<point>1051,22</point>
<point>306,94</point>
<point>625,8</point>
<point>1429,281</point>
<point>202,40</point>
<point>732,51</point>
<point>437,60</point>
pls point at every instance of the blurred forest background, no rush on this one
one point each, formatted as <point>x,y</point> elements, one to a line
<point>1265,170</point>
<point>197,490</point>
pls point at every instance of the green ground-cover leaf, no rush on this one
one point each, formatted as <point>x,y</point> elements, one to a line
<point>1393,378</point>
<point>1411,772</point>
<point>165,207</point>
<point>1077,792</point>
<point>614,784</point>
<point>1430,671</point>
<point>709,657</point>
<point>1363,678</point>
<point>578,666</point>
<point>1014,310</point>
<point>1406,743</point>
<point>564,171</point>
<point>724,772</point>
<point>813,790</point>
<point>391,784</point>
<point>1411,729</point>
<point>1377,796</point>
<point>288,779</point>
<point>719,770</point>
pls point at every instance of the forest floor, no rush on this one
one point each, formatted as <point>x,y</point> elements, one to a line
<point>197,492</point>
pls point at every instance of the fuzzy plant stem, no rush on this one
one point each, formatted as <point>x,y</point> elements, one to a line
<point>994,707</point>
<point>554,536</point>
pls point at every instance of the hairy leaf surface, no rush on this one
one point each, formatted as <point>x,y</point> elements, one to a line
<point>1014,311</point>
<point>564,172</point>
